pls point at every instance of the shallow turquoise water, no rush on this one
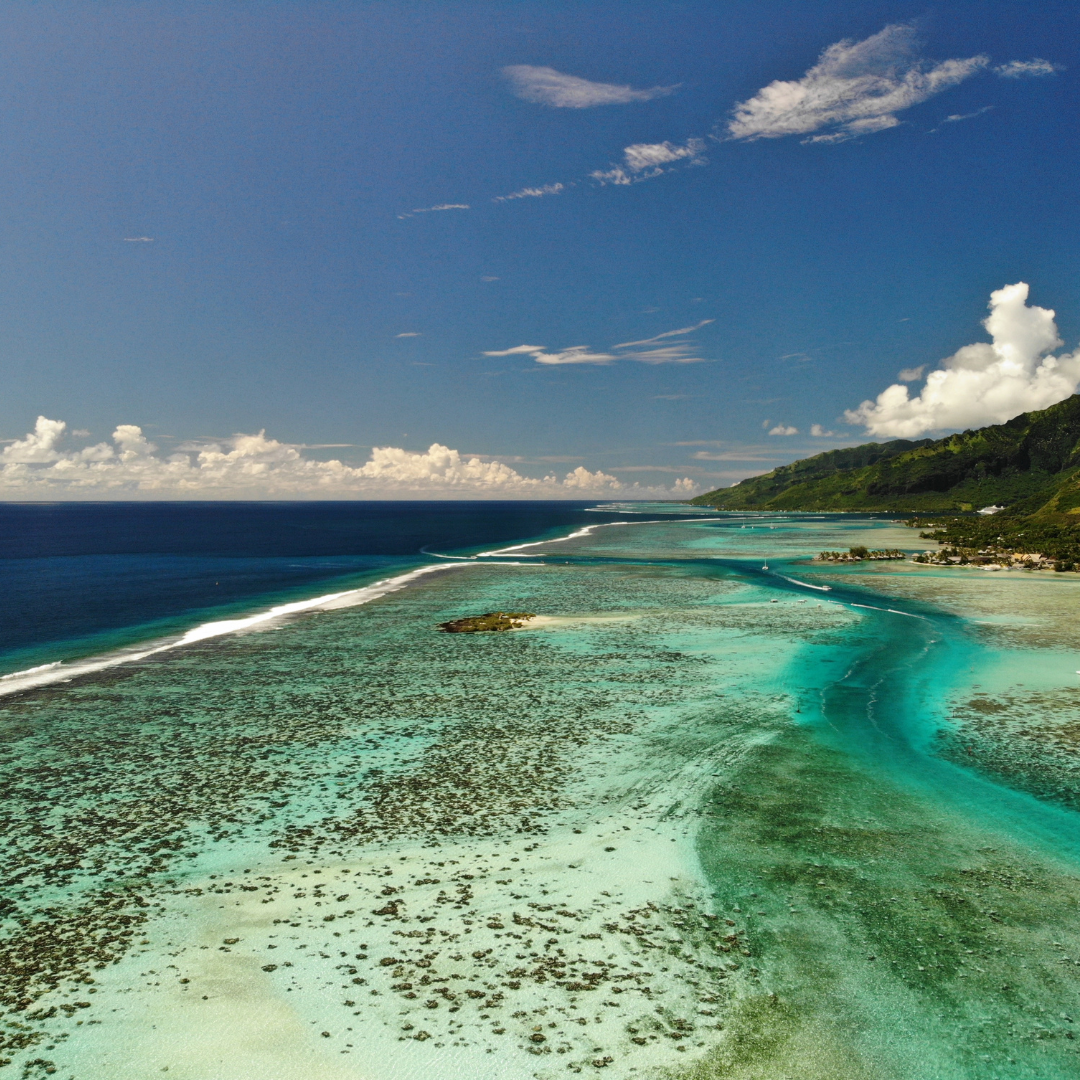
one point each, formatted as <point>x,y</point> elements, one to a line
<point>692,821</point>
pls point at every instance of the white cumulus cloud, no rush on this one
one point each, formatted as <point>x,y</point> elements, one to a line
<point>546,86</point>
<point>39,445</point>
<point>256,467</point>
<point>819,432</point>
<point>643,161</point>
<point>585,480</point>
<point>983,383</point>
<point>783,429</point>
<point>855,88</point>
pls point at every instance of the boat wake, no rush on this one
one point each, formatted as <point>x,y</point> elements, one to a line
<point>805,584</point>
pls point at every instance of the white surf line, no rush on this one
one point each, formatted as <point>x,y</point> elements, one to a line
<point>28,671</point>
<point>806,585</point>
<point>45,674</point>
<point>621,508</point>
<point>557,540</point>
<point>498,552</point>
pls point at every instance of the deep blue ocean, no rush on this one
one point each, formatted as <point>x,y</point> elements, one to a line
<point>79,578</point>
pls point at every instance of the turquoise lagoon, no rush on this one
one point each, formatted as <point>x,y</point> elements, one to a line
<point>699,819</point>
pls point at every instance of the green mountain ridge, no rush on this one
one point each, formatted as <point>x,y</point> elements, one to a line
<point>1030,465</point>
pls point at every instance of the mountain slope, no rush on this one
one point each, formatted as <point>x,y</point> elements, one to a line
<point>1031,460</point>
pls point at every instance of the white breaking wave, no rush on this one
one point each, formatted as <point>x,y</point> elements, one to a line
<point>44,674</point>
<point>59,671</point>
<point>557,540</point>
<point>28,671</point>
<point>498,552</point>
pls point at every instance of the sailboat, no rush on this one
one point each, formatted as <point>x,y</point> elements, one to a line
<point>766,566</point>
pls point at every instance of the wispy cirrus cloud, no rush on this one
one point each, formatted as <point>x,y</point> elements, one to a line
<point>726,451</point>
<point>546,86</point>
<point>1035,68</point>
<point>643,161</point>
<point>575,354</point>
<point>671,352</point>
<point>679,352</point>
<point>704,455</point>
<point>855,88</point>
<point>665,334</point>
<point>434,209</point>
<point>532,192</point>
<point>409,333</point>
<point>955,118</point>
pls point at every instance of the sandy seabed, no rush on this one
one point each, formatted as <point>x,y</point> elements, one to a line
<point>691,821</point>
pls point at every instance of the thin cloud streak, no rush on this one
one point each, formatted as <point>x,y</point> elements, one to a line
<point>576,354</point>
<point>434,209</point>
<point>955,118</point>
<point>666,334</point>
<point>677,353</point>
<point>546,86</point>
<point>670,354</point>
<point>1035,68</point>
<point>532,193</point>
<point>733,455</point>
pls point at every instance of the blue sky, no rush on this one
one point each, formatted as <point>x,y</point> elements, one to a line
<point>211,228</point>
